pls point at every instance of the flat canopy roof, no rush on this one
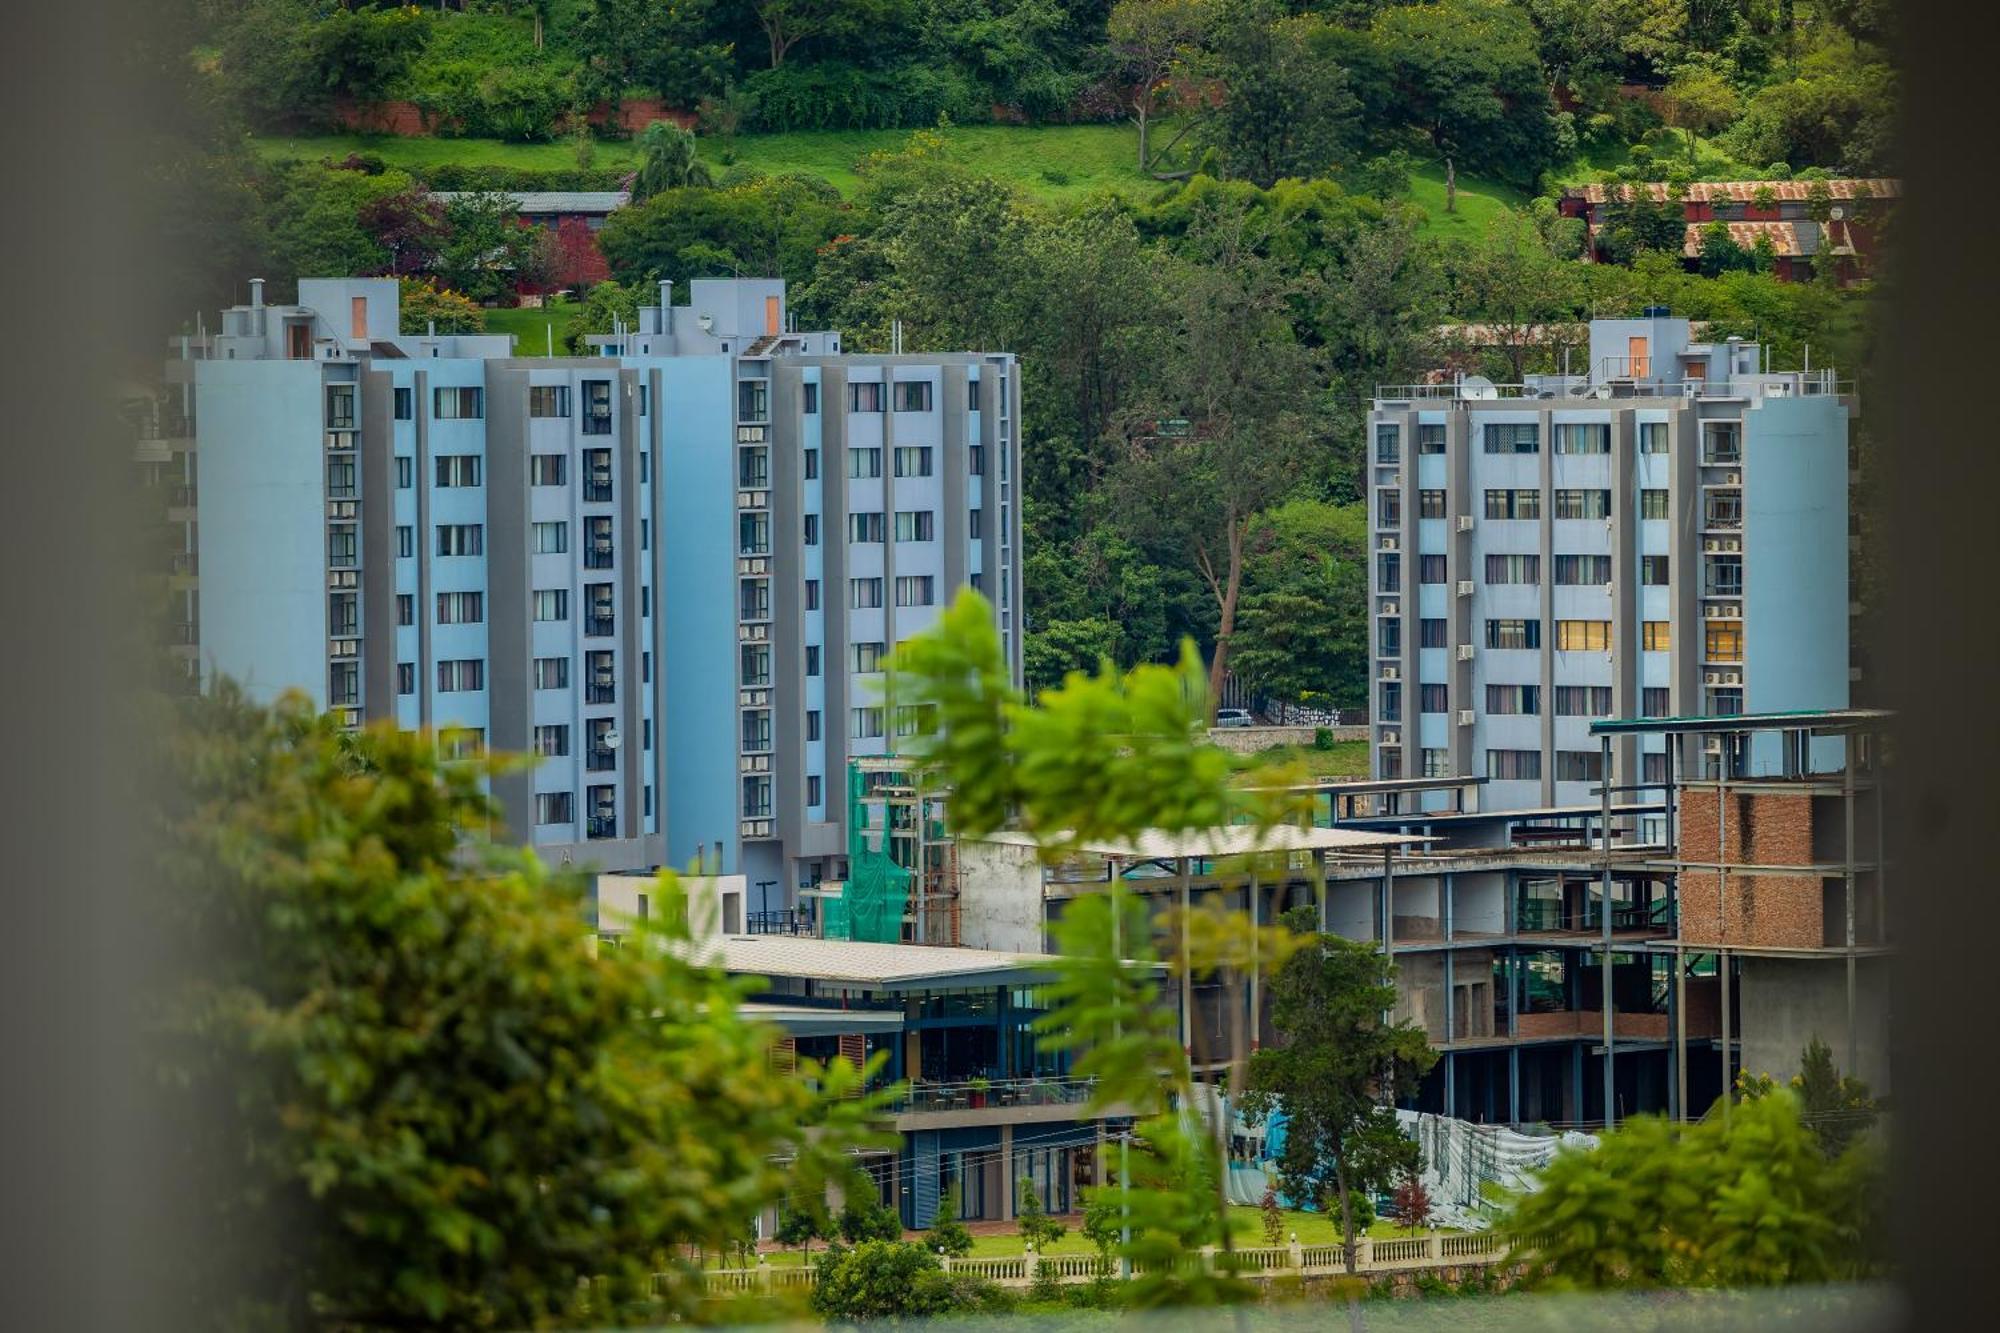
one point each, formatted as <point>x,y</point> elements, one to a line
<point>1805,719</point>
<point>862,963</point>
<point>1234,840</point>
<point>801,1020</point>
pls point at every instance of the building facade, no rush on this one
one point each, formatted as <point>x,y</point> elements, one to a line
<point>1665,535</point>
<point>671,571</point>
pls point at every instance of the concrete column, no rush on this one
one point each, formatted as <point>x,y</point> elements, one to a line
<point>1007,1171</point>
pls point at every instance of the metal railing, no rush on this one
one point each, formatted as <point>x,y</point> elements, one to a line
<point>1613,381</point>
<point>602,826</point>
<point>975,1094</point>
<point>599,627</point>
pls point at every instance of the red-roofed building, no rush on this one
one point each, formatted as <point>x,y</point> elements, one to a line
<point>1848,235</point>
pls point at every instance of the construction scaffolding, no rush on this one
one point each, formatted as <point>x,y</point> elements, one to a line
<point>902,862</point>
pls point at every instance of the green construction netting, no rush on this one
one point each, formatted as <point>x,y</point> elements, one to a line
<point>872,903</point>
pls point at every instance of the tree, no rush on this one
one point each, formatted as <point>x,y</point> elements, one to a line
<point>1412,1201</point>
<point>1467,74</point>
<point>1286,110</point>
<point>786,23</point>
<point>409,224</point>
<point>424,306</point>
<point>865,1218</point>
<point>1150,39</point>
<point>1698,101</point>
<point>1274,1218</point>
<point>1339,1072</point>
<point>882,1279</point>
<point>947,1234</point>
<point>391,1051</point>
<point>1511,281</point>
<point>801,1224</point>
<point>1303,635</point>
<point>488,250</point>
<point>1743,1201</point>
<point>774,227</point>
<point>667,161</point>
<point>1037,1227</point>
<point>1836,1107</point>
<point>1242,382</point>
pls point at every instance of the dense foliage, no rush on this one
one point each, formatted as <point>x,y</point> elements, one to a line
<point>408,1094</point>
<point>891,1279</point>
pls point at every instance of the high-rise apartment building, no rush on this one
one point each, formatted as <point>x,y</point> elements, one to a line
<point>1666,535</point>
<point>672,570</point>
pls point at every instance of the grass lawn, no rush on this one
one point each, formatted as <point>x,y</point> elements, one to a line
<point>528,327</point>
<point>1053,163</point>
<point>1347,759</point>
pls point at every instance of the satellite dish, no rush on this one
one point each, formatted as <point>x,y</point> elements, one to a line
<point>1836,213</point>
<point>610,739</point>
<point>1477,386</point>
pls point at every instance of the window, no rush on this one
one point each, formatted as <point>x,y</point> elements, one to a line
<point>1652,437</point>
<point>1583,635</point>
<point>812,465</point>
<point>406,608</point>
<point>645,600</point>
<point>554,807</point>
<point>551,604</point>
<point>546,469</point>
<point>1433,698</point>
<point>1724,509</point>
<point>1583,701</point>
<point>1389,637</point>
<point>975,524</point>
<point>343,684</point>
<point>1583,438</point>
<point>552,673</point>
<point>645,406</point>
<point>343,615</point>
<point>811,399</point>
<point>1392,761</point>
<point>340,546</point>
<point>340,406</point>
<point>812,529</point>
<point>1583,504</point>
<point>1388,508</point>
<point>1515,568</point>
<point>1657,701</point>
<point>864,723</point>
<point>1391,707</point>
<point>753,535</point>
<point>406,677</point>
<point>1724,703</point>
<point>1653,570</point>
<point>461,539</point>
<point>863,658</point>
<point>597,407</point>
<point>461,608</point>
<point>340,478</point>
<point>1430,569</point>
<point>756,797</point>
<point>1723,641</point>
<point>1430,504</point>
<point>406,542</point>
<point>406,407</point>
<point>551,538</point>
<point>552,741</point>
<point>812,724</point>
<point>1430,439</point>
<point>913,396</point>
<point>548,400</point>
<point>603,805</point>
<point>863,463</point>
<point>1514,765</point>
<point>1724,576</point>
<point>1653,767</point>
<point>1574,571</point>
<point>1513,634</point>
<point>458,404</point>
<point>915,590</point>
<point>753,400</point>
<point>461,743</point>
<point>600,685</point>
<point>1390,571</point>
<point>1657,636</point>
<point>864,594</point>
<point>1579,765</point>
<point>1388,444</point>
<point>864,397</point>
<point>1721,443</point>
<point>865,527</point>
<point>1511,700</point>
<point>975,456</point>
<point>1652,504</point>
<point>456,675</point>
<point>812,594</point>
<point>812,789</point>
<point>1513,504</point>
<point>972,395</point>
<point>1437,763</point>
<point>812,659</point>
<point>913,462</point>
<point>1523,438</point>
<point>406,473</point>
<point>754,664</point>
<point>598,602</point>
<point>1431,633</point>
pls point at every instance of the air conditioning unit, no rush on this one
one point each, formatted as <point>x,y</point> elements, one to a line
<point>1465,522</point>
<point>1466,717</point>
<point>1392,672</point>
<point>1391,609</point>
<point>1465,651</point>
<point>1465,587</point>
<point>1392,737</point>
<point>1387,543</point>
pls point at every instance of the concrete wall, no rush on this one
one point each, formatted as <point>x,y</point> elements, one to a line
<point>714,902</point>
<point>1786,1002</point>
<point>1000,897</point>
<point>1248,740</point>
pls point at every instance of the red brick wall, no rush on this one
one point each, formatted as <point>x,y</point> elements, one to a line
<point>1762,828</point>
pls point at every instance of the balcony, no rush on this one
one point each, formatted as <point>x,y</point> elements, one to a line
<point>600,759</point>
<point>599,626</point>
<point>602,826</point>
<point>181,497</point>
<point>600,692</point>
<point>597,556</point>
<point>186,562</point>
<point>1008,1092</point>
<point>597,490</point>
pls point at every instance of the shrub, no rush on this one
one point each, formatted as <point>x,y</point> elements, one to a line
<point>947,1233</point>
<point>881,1279</point>
<point>1037,1227</point>
<point>865,1220</point>
<point>1322,738</point>
<point>424,301</point>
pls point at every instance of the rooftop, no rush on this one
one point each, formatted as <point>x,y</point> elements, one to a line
<point>550,201</point>
<point>1209,844</point>
<point>881,966</point>
<point>1743,192</point>
<point>800,1020</point>
<point>1828,721</point>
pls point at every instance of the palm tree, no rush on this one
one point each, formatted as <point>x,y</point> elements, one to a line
<point>667,161</point>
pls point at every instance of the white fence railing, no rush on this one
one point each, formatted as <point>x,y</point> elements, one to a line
<point>1399,1254</point>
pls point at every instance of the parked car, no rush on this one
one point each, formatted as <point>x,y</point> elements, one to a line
<point>1233,717</point>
